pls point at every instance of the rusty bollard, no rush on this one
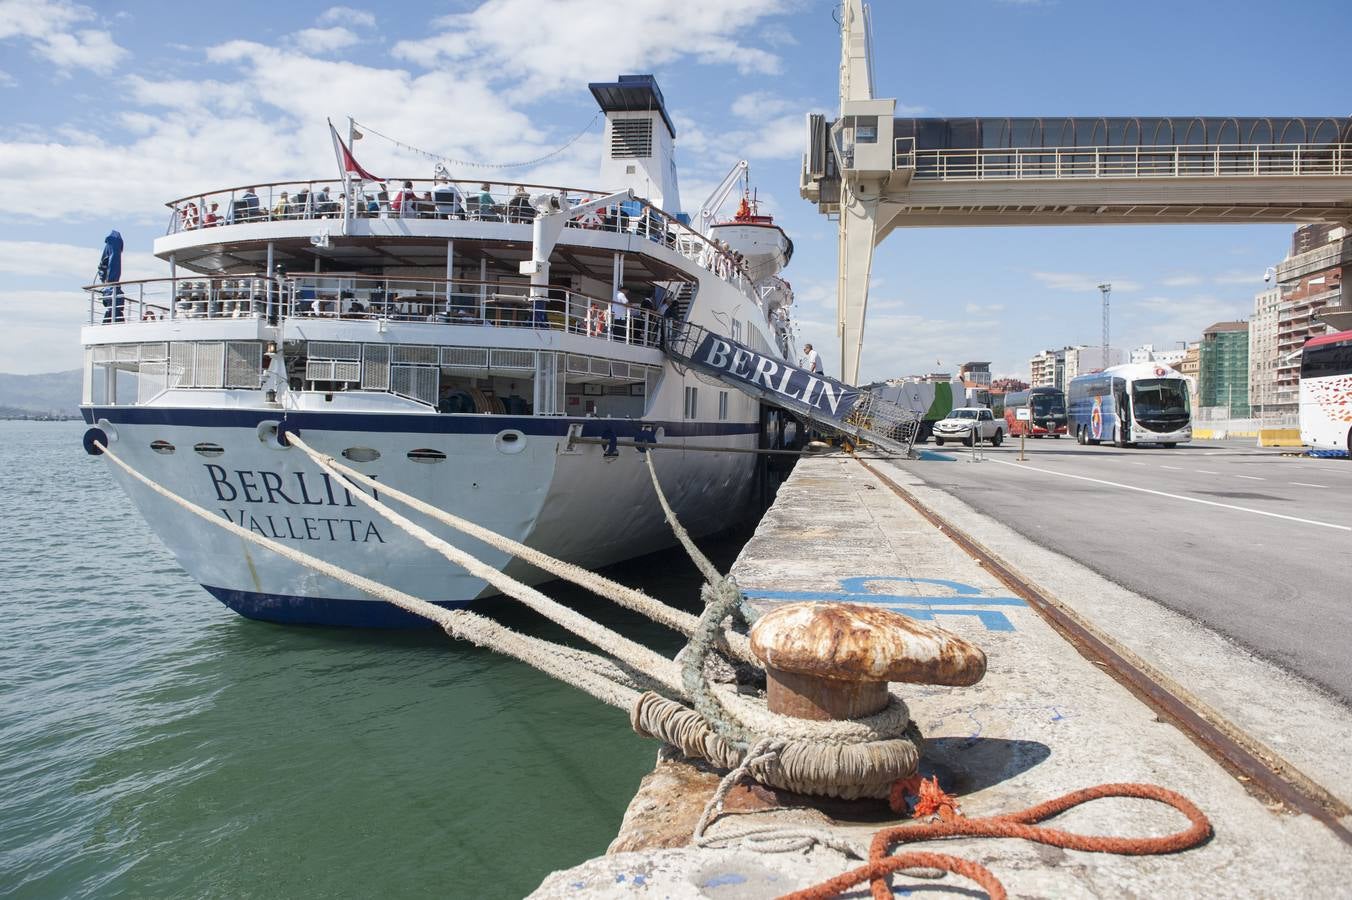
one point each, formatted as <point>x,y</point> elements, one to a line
<point>834,660</point>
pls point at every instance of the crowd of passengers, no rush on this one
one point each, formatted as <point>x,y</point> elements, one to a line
<point>444,201</point>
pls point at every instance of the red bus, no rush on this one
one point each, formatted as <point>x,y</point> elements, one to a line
<point>1046,412</point>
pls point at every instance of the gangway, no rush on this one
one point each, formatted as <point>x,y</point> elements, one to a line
<point>825,403</point>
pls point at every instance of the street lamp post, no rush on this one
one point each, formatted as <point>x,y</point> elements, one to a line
<point>1105,289</point>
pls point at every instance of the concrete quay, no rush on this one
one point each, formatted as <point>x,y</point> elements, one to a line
<point>1045,721</point>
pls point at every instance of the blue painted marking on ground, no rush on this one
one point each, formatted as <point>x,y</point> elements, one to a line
<point>931,456</point>
<point>961,602</point>
<point>723,880</point>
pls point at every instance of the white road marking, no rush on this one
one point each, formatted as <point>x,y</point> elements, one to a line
<point>1251,477</point>
<point>1175,468</point>
<point>1306,484</point>
<point>1208,472</point>
<point>1131,487</point>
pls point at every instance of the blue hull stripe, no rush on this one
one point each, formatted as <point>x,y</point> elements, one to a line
<point>288,610</point>
<point>406,423</point>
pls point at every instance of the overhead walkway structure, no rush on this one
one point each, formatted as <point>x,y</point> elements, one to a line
<point>823,402</point>
<point>876,172</point>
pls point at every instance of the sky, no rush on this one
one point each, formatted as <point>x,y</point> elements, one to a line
<point>110,110</point>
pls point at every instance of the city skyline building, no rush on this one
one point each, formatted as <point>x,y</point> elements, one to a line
<point>1310,283</point>
<point>1263,352</point>
<point>1223,368</point>
<point>1083,359</point>
<point>1048,368</point>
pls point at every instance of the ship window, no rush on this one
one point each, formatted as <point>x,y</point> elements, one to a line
<point>691,402</point>
<point>163,447</point>
<point>631,138</point>
<point>425,455</point>
<point>208,449</point>
<point>722,405</point>
<point>362,454</point>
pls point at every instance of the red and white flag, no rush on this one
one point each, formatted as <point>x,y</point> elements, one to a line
<point>347,163</point>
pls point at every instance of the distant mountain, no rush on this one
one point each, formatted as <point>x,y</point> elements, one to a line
<point>52,393</point>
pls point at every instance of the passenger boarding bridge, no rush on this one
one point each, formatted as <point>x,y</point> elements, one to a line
<point>876,172</point>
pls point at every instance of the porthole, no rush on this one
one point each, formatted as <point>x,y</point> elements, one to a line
<point>510,441</point>
<point>362,454</point>
<point>163,447</point>
<point>426,455</point>
<point>208,449</point>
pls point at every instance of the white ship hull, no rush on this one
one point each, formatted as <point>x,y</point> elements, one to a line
<point>573,504</point>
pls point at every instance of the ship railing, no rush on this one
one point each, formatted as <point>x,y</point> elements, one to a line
<point>1131,161</point>
<point>373,299</point>
<point>439,199</point>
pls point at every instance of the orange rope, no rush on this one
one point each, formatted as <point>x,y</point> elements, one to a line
<point>1011,825</point>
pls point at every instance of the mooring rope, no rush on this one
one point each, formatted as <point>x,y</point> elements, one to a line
<point>675,619</point>
<point>735,713</point>
<point>563,663</point>
<point>848,759</point>
<point>631,653</point>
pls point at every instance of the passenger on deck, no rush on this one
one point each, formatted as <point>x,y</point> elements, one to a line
<point>212,218</point>
<point>448,200</point>
<point>188,216</point>
<point>619,314</point>
<point>324,206</point>
<point>246,207</point>
<point>519,208</point>
<point>486,208</point>
<point>279,210</point>
<point>403,203</point>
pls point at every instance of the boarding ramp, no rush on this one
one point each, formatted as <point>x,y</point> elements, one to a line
<point>825,403</point>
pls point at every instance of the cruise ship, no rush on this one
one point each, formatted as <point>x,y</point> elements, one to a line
<point>456,339</point>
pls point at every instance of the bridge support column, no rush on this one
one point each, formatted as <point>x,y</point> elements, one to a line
<point>864,220</point>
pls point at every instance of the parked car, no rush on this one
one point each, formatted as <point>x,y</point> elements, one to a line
<point>964,421</point>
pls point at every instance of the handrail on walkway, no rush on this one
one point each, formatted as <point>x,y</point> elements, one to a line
<point>336,296</point>
<point>1134,161</point>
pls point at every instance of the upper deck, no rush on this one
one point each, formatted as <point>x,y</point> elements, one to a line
<point>410,223</point>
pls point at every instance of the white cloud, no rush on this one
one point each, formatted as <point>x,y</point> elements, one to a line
<point>346,15</point>
<point>6,79</point>
<point>49,28</point>
<point>324,40</point>
<point>761,105</point>
<point>655,33</point>
<point>69,261</point>
<point>973,309</point>
<point>1080,283</point>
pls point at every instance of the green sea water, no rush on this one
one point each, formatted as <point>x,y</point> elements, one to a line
<point>153,743</point>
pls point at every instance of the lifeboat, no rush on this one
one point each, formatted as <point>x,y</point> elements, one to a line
<point>764,246</point>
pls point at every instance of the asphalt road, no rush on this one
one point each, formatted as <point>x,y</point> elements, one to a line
<point>1251,543</point>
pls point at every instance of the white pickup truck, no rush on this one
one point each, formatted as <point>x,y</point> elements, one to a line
<point>962,422</point>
